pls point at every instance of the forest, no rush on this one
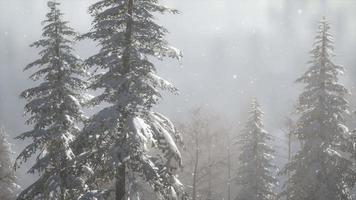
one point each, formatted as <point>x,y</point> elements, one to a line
<point>177,100</point>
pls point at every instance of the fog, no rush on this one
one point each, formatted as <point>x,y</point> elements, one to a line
<point>234,50</point>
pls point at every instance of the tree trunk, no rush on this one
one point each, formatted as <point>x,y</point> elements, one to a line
<point>120,185</point>
<point>128,37</point>
<point>228,168</point>
<point>62,165</point>
<point>196,167</point>
<point>289,160</point>
<point>62,183</point>
<point>209,196</point>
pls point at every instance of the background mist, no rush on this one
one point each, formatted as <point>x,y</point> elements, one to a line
<point>234,50</point>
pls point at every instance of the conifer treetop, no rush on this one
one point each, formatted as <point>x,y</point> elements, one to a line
<point>127,131</point>
<point>321,169</point>
<point>54,109</point>
<point>255,176</point>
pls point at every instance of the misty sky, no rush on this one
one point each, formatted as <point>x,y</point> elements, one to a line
<point>234,50</point>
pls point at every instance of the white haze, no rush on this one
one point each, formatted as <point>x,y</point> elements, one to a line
<point>233,50</point>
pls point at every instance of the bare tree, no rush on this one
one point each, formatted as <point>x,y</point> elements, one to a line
<point>204,155</point>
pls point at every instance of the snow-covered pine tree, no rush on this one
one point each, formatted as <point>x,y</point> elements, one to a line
<point>54,107</point>
<point>8,185</point>
<point>254,176</point>
<point>321,169</point>
<point>121,142</point>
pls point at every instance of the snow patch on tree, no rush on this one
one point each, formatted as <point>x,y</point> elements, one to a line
<point>8,185</point>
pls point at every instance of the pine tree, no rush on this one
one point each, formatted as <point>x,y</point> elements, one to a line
<point>321,169</point>
<point>255,171</point>
<point>54,107</point>
<point>121,142</point>
<point>8,185</point>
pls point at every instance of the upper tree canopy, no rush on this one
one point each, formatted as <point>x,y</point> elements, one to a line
<point>54,107</point>
<point>321,170</point>
<point>255,172</point>
<point>8,186</point>
<point>127,132</point>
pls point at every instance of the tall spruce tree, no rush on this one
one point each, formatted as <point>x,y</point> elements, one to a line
<point>321,169</point>
<point>54,107</point>
<point>8,185</point>
<point>127,142</point>
<point>255,177</point>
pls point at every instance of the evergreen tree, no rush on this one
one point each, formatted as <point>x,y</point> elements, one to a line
<point>127,142</point>
<point>255,171</point>
<point>321,169</point>
<point>54,107</point>
<point>8,186</point>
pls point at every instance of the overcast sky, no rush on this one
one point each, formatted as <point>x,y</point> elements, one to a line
<point>233,50</point>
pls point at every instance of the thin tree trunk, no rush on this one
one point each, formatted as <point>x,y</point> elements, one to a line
<point>120,185</point>
<point>128,37</point>
<point>62,176</point>
<point>289,130</point>
<point>196,166</point>
<point>228,168</point>
<point>289,160</point>
<point>62,165</point>
<point>209,197</point>
<point>256,157</point>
